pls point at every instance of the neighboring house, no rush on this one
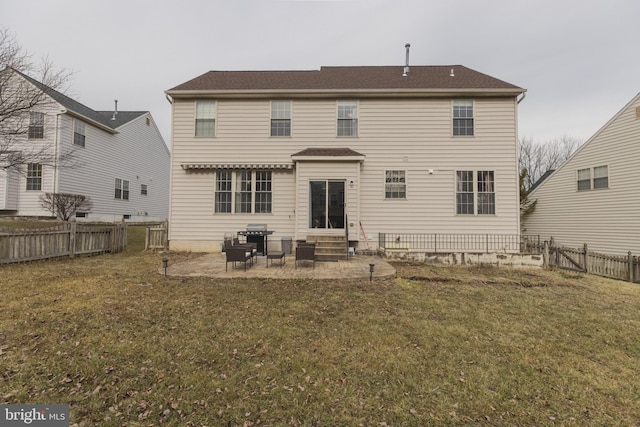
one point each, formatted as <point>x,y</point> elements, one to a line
<point>363,150</point>
<point>119,160</point>
<point>590,198</point>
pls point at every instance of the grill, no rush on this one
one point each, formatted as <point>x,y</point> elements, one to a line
<point>258,234</point>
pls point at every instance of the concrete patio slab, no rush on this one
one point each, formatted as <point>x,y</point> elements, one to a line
<point>213,265</point>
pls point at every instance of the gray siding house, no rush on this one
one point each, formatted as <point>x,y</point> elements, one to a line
<point>590,198</point>
<point>357,150</point>
<point>119,160</point>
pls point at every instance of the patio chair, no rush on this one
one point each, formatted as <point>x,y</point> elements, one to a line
<point>306,252</point>
<point>253,247</point>
<point>237,254</point>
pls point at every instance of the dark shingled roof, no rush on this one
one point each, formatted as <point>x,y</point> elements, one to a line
<point>347,78</point>
<point>102,117</point>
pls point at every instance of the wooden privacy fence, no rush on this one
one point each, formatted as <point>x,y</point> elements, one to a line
<point>157,236</point>
<point>623,267</point>
<point>64,240</point>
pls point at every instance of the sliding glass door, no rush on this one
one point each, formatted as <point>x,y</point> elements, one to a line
<point>326,204</point>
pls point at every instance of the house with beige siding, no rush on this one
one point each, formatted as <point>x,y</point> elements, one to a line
<point>116,158</point>
<point>351,151</point>
<point>590,198</point>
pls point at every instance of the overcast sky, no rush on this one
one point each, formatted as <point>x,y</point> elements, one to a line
<point>577,59</point>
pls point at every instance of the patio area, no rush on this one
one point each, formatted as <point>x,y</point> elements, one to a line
<point>213,265</point>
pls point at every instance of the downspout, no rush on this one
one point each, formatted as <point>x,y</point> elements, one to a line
<point>56,150</point>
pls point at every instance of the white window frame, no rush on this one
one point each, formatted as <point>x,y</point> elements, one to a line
<point>599,179</point>
<point>36,125</point>
<point>256,189</point>
<point>583,178</point>
<point>395,184</point>
<point>347,111</point>
<point>593,177</point>
<point>34,177</point>
<point>280,115</point>
<point>483,193</point>
<point>79,133</point>
<point>205,113</point>
<point>459,112</point>
<point>121,189</point>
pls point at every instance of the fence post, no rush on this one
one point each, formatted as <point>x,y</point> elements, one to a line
<point>586,258</point>
<point>630,266</point>
<point>545,255</point>
<point>72,238</point>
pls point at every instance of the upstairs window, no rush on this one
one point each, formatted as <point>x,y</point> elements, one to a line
<point>143,190</point>
<point>463,118</point>
<point>205,118</point>
<point>34,176</point>
<point>584,179</point>
<point>78,133</point>
<point>395,185</point>
<point>280,118</point>
<point>347,118</point>
<point>601,177</point>
<point>36,126</point>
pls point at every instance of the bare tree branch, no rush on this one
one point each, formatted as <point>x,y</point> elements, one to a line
<point>64,205</point>
<point>20,96</point>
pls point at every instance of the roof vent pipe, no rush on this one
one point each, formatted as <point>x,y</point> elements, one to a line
<point>406,67</point>
<point>115,111</point>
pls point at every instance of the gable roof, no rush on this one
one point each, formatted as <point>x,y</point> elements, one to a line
<point>376,78</point>
<point>550,174</point>
<point>75,108</point>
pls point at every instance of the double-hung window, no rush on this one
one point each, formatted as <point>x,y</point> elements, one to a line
<point>462,118</point>
<point>475,197</point>
<point>78,133</point>
<point>347,118</point>
<point>144,190</point>
<point>280,118</point>
<point>464,193</point>
<point>395,185</point>
<point>36,125</point>
<point>34,176</point>
<point>252,192</point>
<point>584,179</point>
<point>486,193</point>
<point>263,192</point>
<point>243,192</point>
<point>205,118</point>
<point>600,176</point>
<point>223,191</point>
<point>121,189</point>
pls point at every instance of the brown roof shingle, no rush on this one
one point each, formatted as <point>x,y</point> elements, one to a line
<point>347,78</point>
<point>333,152</point>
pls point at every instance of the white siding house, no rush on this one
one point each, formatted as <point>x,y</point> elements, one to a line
<point>119,160</point>
<point>363,149</point>
<point>591,198</point>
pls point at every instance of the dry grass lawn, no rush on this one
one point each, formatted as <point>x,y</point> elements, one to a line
<point>123,345</point>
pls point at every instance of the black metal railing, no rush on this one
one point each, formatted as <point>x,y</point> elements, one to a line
<point>437,242</point>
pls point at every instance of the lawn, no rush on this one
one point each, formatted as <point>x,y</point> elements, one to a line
<point>123,345</point>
